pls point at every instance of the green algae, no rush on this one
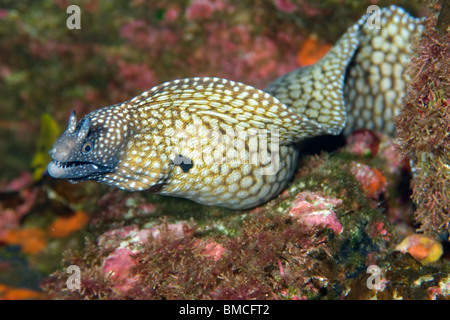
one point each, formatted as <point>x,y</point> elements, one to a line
<point>47,137</point>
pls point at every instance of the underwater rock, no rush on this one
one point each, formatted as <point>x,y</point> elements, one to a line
<point>402,278</point>
<point>424,249</point>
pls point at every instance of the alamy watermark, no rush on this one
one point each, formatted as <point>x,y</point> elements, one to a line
<point>374,20</point>
<point>73,282</point>
<point>374,281</point>
<point>74,20</point>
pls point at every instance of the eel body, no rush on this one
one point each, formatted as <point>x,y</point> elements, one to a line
<point>221,142</point>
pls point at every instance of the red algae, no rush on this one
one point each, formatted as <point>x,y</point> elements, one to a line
<point>64,226</point>
<point>117,266</point>
<point>311,51</point>
<point>313,209</point>
<point>265,256</point>
<point>422,126</point>
<point>363,143</point>
<point>214,250</point>
<point>11,293</point>
<point>32,240</point>
<point>285,5</point>
<point>372,180</point>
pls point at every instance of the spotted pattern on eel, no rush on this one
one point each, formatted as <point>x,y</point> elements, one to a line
<point>220,142</point>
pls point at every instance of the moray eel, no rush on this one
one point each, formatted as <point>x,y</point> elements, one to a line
<point>220,142</point>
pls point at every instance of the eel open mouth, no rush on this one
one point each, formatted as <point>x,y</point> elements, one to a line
<point>75,169</point>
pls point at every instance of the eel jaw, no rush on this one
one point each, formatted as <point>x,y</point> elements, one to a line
<point>76,170</point>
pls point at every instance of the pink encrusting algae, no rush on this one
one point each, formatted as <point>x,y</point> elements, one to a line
<point>313,209</point>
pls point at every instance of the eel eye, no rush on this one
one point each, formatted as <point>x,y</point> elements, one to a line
<point>87,147</point>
